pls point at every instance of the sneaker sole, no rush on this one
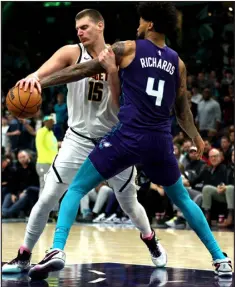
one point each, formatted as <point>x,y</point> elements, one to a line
<point>162,265</point>
<point>40,272</point>
<point>224,274</point>
<point>15,270</point>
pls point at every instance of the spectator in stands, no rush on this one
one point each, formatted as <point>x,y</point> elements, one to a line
<point>226,194</point>
<point>26,188</point>
<point>99,197</point>
<point>7,176</point>
<point>196,96</point>
<point>47,148</point>
<point>177,151</point>
<point>194,166</point>
<point>113,213</point>
<point>157,204</point>
<point>27,136</point>
<point>179,138</point>
<point>201,81</point>
<point>61,111</point>
<point>227,79</point>
<point>231,137</point>
<point>207,149</point>
<point>152,197</point>
<point>5,139</point>
<point>190,81</point>
<point>212,79</point>
<point>212,179</point>
<point>227,104</point>
<point>13,132</point>
<point>184,158</point>
<point>226,148</point>
<point>209,115</point>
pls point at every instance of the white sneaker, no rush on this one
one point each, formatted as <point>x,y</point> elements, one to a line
<point>159,277</point>
<point>111,218</point>
<point>157,252</point>
<point>171,222</point>
<point>100,218</point>
<point>223,267</point>
<point>53,261</point>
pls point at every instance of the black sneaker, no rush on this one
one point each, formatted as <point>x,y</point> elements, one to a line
<point>20,264</point>
<point>157,252</point>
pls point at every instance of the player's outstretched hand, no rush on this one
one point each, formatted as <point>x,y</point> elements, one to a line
<point>199,143</point>
<point>29,83</point>
<point>107,60</point>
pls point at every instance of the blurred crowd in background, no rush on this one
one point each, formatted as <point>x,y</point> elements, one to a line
<point>206,46</point>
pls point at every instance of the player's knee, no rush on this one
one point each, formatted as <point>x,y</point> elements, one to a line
<point>130,208</point>
<point>46,204</point>
<point>105,189</point>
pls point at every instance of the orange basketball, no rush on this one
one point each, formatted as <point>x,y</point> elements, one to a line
<point>23,104</point>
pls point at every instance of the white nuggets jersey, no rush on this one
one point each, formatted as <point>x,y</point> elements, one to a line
<point>90,112</point>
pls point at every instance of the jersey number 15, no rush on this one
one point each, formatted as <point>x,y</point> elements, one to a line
<point>95,91</point>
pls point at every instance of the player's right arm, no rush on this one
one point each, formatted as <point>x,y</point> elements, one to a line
<point>124,53</point>
<point>58,61</point>
<point>183,112</point>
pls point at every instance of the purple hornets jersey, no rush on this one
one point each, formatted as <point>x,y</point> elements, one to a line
<point>149,85</point>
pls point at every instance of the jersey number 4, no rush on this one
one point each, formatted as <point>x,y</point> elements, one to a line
<point>95,91</point>
<point>155,93</point>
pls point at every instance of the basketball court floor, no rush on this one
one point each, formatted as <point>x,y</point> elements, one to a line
<point>114,255</point>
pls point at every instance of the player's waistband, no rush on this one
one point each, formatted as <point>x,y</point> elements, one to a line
<point>95,141</point>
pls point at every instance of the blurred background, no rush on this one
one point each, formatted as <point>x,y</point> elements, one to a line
<point>33,31</point>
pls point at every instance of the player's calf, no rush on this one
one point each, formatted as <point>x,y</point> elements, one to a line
<point>53,261</point>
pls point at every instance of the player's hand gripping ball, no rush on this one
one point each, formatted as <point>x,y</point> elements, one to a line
<point>23,104</point>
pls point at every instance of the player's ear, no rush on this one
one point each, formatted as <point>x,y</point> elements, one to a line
<point>150,25</point>
<point>101,25</point>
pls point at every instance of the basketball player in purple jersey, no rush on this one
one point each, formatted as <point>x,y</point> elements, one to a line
<point>153,82</point>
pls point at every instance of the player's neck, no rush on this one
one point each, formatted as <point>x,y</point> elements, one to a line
<point>157,39</point>
<point>95,50</point>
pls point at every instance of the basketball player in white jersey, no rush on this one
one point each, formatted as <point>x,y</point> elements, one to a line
<point>92,114</point>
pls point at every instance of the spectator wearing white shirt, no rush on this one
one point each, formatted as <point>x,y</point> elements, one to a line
<point>5,139</point>
<point>196,96</point>
<point>209,115</point>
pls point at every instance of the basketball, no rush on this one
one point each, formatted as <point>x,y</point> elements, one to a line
<point>22,104</point>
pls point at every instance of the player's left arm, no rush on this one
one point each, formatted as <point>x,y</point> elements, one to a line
<point>183,112</point>
<point>122,51</point>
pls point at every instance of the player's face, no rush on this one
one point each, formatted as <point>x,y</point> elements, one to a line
<point>88,31</point>
<point>142,29</point>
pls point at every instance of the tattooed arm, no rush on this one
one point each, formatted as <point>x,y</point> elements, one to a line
<point>183,113</point>
<point>80,71</point>
<point>73,73</point>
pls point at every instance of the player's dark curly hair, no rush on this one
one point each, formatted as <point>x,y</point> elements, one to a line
<point>162,14</point>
